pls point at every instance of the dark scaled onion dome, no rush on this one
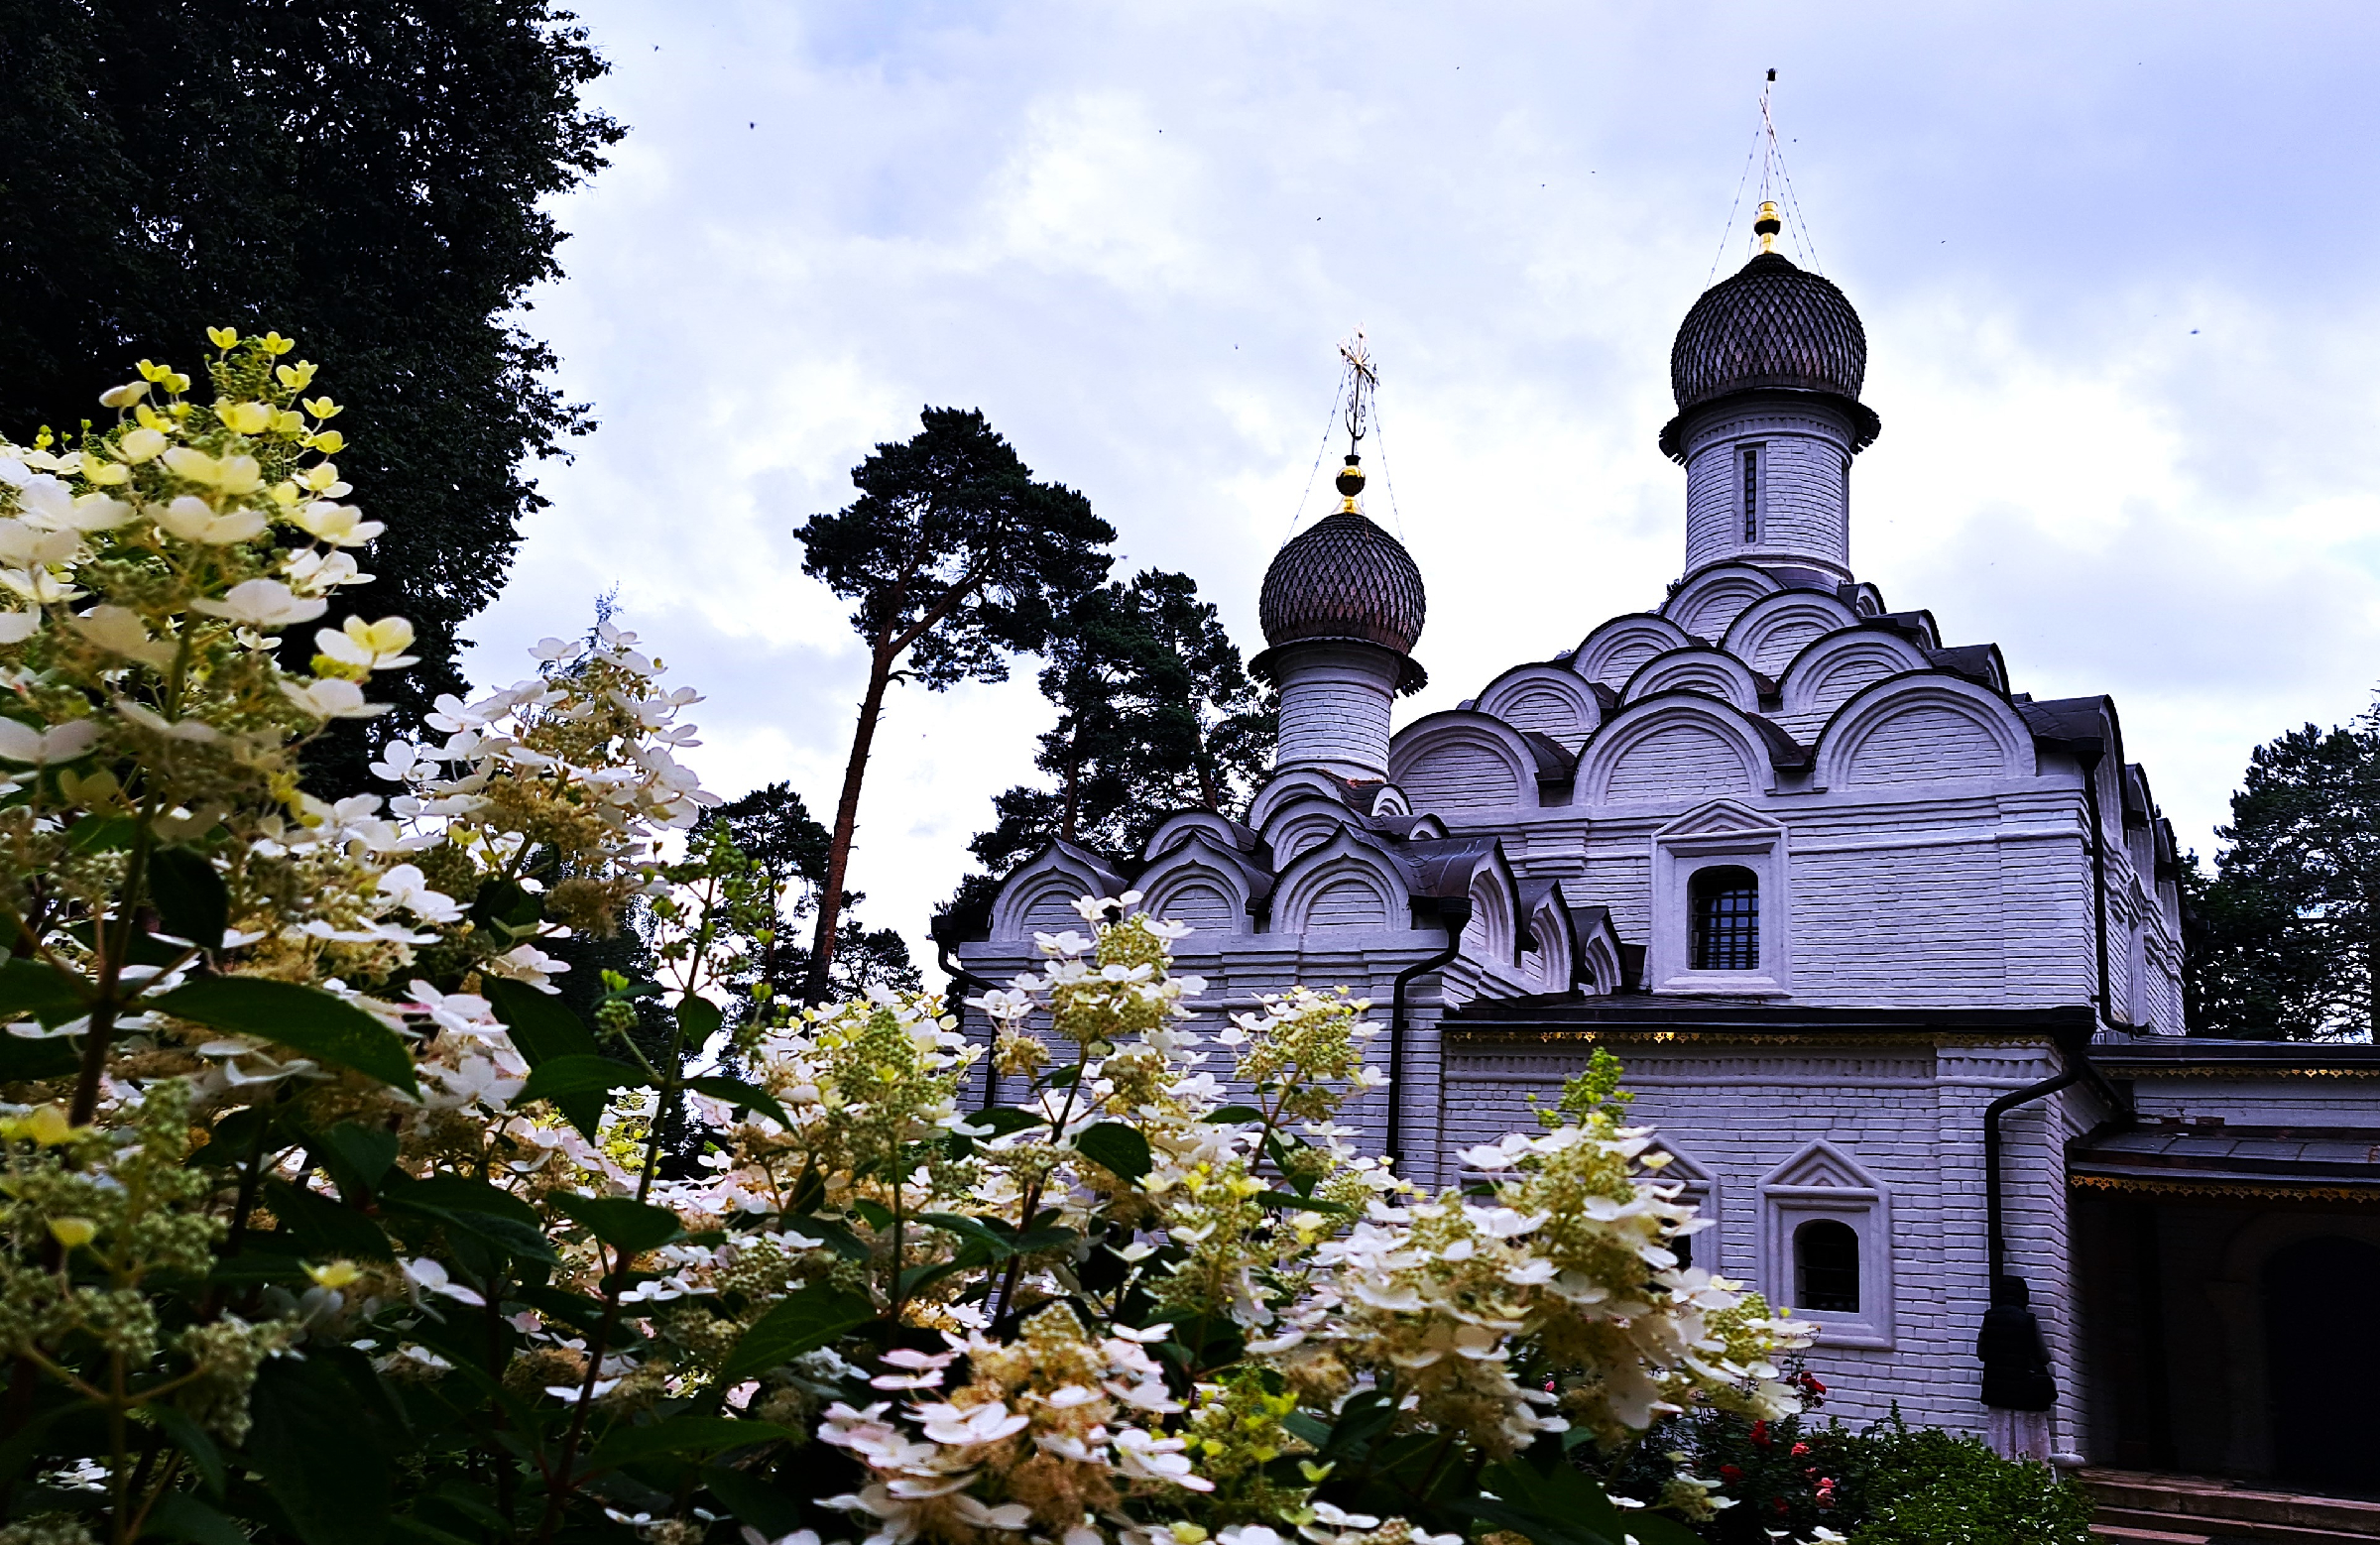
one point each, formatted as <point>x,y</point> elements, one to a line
<point>1771,324</point>
<point>1343,578</point>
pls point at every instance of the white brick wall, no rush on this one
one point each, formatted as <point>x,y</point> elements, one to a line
<point>1803,518</point>
<point>1911,1114</point>
<point>1335,701</point>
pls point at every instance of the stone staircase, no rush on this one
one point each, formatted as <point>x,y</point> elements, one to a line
<point>2144,1508</point>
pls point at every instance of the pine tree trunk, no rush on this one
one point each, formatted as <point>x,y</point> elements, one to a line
<point>1208,794</point>
<point>1067,826</point>
<point>847,820</point>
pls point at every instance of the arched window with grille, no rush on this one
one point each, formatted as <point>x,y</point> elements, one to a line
<point>1726,927</point>
<point>1825,1266</point>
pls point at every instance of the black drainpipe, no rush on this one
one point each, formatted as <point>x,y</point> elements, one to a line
<point>1454,915</point>
<point>2087,753</point>
<point>961,979</point>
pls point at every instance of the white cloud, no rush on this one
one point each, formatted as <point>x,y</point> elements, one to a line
<point>1135,236</point>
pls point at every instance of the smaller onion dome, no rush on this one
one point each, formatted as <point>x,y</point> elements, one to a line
<point>1343,578</point>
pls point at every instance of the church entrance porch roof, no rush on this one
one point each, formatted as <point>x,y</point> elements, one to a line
<point>2209,1158</point>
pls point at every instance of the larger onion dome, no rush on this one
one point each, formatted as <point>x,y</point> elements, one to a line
<point>1343,578</point>
<point>1775,326</point>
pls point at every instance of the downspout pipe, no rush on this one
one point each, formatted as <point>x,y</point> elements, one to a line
<point>964,980</point>
<point>1454,915</point>
<point>2088,752</point>
<point>2007,1296</point>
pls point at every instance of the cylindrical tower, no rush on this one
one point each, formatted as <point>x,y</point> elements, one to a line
<point>1342,608</point>
<point>1767,369</point>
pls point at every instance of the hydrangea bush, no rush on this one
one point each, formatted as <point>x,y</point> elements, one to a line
<point>326,1220</point>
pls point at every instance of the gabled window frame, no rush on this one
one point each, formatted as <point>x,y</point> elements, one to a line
<point>1720,833</point>
<point>1824,1181</point>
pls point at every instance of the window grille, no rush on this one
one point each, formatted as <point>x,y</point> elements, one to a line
<point>1725,902</point>
<point>1751,493</point>
<point>1825,1266</point>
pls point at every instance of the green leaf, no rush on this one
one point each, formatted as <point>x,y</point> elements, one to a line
<point>970,1230</point>
<point>558,1077</point>
<point>26,1059</point>
<point>621,1222</point>
<point>684,1435</point>
<point>193,1441</point>
<point>542,1029</point>
<point>179,1515</point>
<point>1115,1147</point>
<point>509,906</point>
<point>738,1093</point>
<point>1557,1505</point>
<point>27,987</point>
<point>838,1239</point>
<point>427,1531</point>
<point>477,1208</point>
<point>1232,1114</point>
<point>102,833</point>
<point>803,1323</point>
<point>753,1500</point>
<point>319,1464</point>
<point>1005,1119</point>
<point>189,895</point>
<point>1535,1526</point>
<point>328,1228</point>
<point>580,1313</point>
<point>699,1019</point>
<point>366,1152</point>
<point>1304,1204</point>
<point>303,1018</point>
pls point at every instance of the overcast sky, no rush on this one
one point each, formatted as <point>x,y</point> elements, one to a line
<point>2113,263</point>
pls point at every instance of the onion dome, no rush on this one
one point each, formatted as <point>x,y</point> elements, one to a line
<point>1344,578</point>
<point>1772,325</point>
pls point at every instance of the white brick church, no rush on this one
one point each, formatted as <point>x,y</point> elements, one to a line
<point>1844,901</point>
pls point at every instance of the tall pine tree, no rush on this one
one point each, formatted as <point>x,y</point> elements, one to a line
<point>955,559</point>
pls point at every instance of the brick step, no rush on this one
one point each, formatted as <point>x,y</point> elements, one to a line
<point>2132,1536</point>
<point>2228,1511</point>
<point>2143,1524</point>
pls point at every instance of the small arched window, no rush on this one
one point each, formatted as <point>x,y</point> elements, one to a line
<point>1726,901</point>
<point>1825,1266</point>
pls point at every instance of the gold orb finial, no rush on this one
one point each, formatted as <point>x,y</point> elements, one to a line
<point>1350,483</point>
<point>1768,225</point>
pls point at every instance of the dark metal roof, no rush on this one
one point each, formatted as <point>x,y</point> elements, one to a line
<point>1770,325</point>
<point>1731,1016</point>
<point>1444,868</point>
<point>2174,1154</point>
<point>1343,578</point>
<point>2185,1056</point>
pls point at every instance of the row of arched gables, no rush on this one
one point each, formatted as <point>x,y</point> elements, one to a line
<point>1330,865</point>
<point>1738,685</point>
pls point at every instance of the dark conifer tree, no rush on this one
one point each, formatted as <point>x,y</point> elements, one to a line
<point>369,179</point>
<point>1156,713</point>
<point>2284,940</point>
